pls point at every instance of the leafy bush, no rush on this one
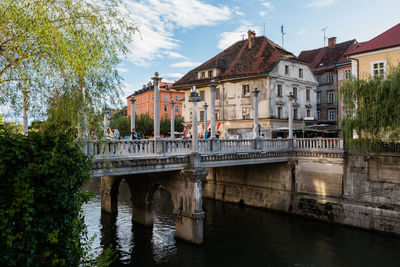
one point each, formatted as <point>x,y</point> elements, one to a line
<point>40,200</point>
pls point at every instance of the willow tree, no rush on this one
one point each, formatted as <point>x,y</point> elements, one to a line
<point>375,107</point>
<point>65,50</point>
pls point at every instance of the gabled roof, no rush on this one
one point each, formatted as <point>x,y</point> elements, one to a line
<point>389,38</point>
<point>239,61</point>
<point>326,58</point>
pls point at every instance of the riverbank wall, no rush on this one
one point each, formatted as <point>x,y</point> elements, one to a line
<point>351,190</point>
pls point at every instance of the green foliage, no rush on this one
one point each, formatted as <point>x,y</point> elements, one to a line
<point>62,55</point>
<point>13,128</point>
<point>144,125</point>
<point>165,126</point>
<point>122,123</point>
<point>179,124</point>
<point>375,104</point>
<point>40,199</point>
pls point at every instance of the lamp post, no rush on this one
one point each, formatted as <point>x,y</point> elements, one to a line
<point>213,114</point>
<point>133,100</point>
<point>290,98</point>
<point>255,126</point>
<point>194,98</point>
<point>205,106</point>
<point>105,120</point>
<point>172,119</point>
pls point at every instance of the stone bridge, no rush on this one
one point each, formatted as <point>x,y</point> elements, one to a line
<point>176,166</point>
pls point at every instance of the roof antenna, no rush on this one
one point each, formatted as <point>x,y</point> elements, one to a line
<point>283,34</point>
<point>243,35</point>
<point>323,30</point>
<point>264,28</point>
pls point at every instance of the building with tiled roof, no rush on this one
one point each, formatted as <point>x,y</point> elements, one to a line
<point>331,67</point>
<point>254,62</point>
<point>145,100</point>
<point>376,56</point>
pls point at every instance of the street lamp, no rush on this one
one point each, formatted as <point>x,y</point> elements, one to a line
<point>290,98</point>
<point>194,98</point>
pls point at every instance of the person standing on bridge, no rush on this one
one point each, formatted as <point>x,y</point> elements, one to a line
<point>134,134</point>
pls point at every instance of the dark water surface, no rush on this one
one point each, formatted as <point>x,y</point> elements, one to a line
<point>234,236</point>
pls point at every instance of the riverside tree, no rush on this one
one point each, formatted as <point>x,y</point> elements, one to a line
<point>61,54</point>
<point>375,107</point>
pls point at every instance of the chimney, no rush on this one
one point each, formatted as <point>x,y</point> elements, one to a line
<point>251,35</point>
<point>149,84</point>
<point>143,86</point>
<point>331,42</point>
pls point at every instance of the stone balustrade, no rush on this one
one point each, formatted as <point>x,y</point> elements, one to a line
<point>146,147</point>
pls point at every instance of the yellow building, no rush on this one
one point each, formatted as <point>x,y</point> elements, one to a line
<point>375,57</point>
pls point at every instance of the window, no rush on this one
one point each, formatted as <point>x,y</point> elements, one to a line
<point>152,97</point>
<point>279,115</point>
<point>330,97</point>
<point>308,94</point>
<point>308,113</point>
<point>201,115</point>
<point>202,75</point>
<point>294,92</point>
<point>246,113</point>
<point>210,73</point>
<point>165,108</point>
<point>330,78</point>
<point>331,114</point>
<point>347,74</point>
<point>318,79</point>
<point>318,98</point>
<point>245,90</point>
<point>347,113</point>
<point>318,115</point>
<point>300,73</point>
<point>279,90</point>
<point>176,98</point>
<point>286,70</point>
<point>202,95</point>
<point>191,116</point>
<point>166,98</point>
<point>295,113</point>
<point>378,69</point>
<point>177,108</point>
<point>217,115</point>
<point>217,93</point>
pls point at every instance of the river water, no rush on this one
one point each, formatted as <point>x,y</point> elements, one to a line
<point>234,236</point>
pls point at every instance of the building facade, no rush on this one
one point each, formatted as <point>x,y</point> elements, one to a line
<point>376,56</point>
<point>145,100</point>
<point>248,64</point>
<point>329,66</point>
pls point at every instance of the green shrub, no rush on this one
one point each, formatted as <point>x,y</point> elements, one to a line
<point>40,200</point>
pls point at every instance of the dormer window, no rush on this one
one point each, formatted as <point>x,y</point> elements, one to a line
<point>286,70</point>
<point>210,73</point>
<point>203,75</point>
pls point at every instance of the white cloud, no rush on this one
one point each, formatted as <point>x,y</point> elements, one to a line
<point>158,19</point>
<point>268,5</point>
<point>174,75</point>
<point>124,70</point>
<point>229,38</point>
<point>262,13</point>
<point>320,3</point>
<point>238,12</point>
<point>172,54</point>
<point>185,64</point>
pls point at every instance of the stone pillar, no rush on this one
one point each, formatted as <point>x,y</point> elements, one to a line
<point>172,119</point>
<point>157,140</point>
<point>213,113</point>
<point>290,110</point>
<point>205,106</point>
<point>194,98</point>
<point>142,213</point>
<point>189,219</point>
<point>132,113</point>
<point>109,194</point>
<point>255,126</point>
<point>105,122</point>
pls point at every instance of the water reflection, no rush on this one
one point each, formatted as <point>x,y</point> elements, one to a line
<point>234,236</point>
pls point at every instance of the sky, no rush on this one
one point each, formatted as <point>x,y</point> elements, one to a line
<point>176,36</point>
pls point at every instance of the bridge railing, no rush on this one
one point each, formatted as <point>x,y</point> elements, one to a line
<point>312,144</point>
<point>184,146</point>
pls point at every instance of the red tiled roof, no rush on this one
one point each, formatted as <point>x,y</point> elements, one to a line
<point>389,38</point>
<point>239,61</point>
<point>326,58</point>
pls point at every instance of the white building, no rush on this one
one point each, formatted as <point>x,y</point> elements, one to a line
<point>253,63</point>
